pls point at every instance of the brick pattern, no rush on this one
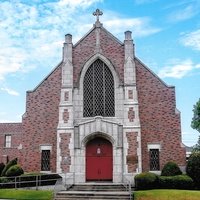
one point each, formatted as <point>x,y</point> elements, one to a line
<point>65,152</point>
<point>132,160</point>
<point>65,115</point>
<point>130,94</point>
<point>159,121</point>
<point>15,130</point>
<point>66,96</point>
<point>40,122</point>
<point>111,49</point>
<point>131,114</point>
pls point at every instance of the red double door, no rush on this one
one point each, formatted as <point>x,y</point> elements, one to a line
<point>99,160</point>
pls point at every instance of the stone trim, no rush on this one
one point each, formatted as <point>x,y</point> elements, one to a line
<point>154,146</point>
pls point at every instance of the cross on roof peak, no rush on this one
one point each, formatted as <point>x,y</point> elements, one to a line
<point>97,13</point>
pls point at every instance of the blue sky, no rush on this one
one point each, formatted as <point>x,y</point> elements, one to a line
<point>166,36</point>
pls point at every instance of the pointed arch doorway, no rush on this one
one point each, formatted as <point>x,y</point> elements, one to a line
<point>99,160</point>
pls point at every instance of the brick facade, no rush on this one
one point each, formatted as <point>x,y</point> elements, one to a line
<point>65,152</point>
<point>15,131</point>
<point>40,121</point>
<point>145,113</point>
<point>132,158</point>
<point>159,118</point>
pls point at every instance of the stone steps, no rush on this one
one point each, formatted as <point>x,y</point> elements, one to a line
<point>104,187</point>
<point>94,191</point>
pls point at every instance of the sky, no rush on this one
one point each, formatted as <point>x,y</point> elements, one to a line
<point>166,36</point>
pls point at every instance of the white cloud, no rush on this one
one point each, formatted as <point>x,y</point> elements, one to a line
<point>4,121</point>
<point>10,91</point>
<point>140,27</point>
<point>191,39</point>
<point>183,10</point>
<point>31,34</point>
<point>177,69</point>
<point>197,66</point>
<point>184,14</point>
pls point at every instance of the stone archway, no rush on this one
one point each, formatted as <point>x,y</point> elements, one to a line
<point>99,160</point>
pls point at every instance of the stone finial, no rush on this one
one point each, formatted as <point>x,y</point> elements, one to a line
<point>97,13</point>
<point>68,38</point>
<point>128,35</point>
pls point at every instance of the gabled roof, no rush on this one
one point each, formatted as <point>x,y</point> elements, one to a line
<point>101,27</point>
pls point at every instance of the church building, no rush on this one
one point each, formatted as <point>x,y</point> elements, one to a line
<point>100,115</point>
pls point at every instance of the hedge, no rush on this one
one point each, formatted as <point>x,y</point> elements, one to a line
<point>8,165</point>
<point>171,169</point>
<point>176,182</point>
<point>146,180</point>
<point>14,170</point>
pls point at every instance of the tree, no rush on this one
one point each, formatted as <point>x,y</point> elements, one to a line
<point>196,147</point>
<point>195,124</point>
<point>193,168</point>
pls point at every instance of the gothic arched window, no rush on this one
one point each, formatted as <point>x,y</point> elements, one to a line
<point>98,91</point>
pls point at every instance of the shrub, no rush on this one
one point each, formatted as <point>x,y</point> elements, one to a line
<point>146,180</point>
<point>193,168</point>
<point>171,169</point>
<point>8,165</point>
<point>176,182</point>
<point>3,180</point>
<point>14,170</point>
<point>2,165</point>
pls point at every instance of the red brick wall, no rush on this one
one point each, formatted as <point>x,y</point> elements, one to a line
<point>15,130</point>
<point>159,121</point>
<point>111,49</point>
<point>132,159</point>
<point>65,152</point>
<point>40,121</point>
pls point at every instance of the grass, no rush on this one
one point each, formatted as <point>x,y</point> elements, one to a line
<point>26,194</point>
<point>167,195</point>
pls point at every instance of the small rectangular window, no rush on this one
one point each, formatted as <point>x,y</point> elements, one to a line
<point>45,160</point>
<point>7,141</point>
<point>154,160</point>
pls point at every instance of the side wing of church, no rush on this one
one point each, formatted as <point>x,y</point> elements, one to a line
<point>101,114</point>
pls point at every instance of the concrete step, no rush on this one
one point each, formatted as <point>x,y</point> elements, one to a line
<point>107,187</point>
<point>94,191</point>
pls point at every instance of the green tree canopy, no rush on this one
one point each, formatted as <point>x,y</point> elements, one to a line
<point>195,124</point>
<point>196,147</point>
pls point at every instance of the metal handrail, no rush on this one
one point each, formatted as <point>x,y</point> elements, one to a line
<point>17,181</point>
<point>127,184</point>
<point>63,183</point>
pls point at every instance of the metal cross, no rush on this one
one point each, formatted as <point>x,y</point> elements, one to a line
<point>97,13</point>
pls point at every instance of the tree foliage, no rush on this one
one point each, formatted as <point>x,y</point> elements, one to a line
<point>193,167</point>
<point>195,124</point>
<point>14,170</point>
<point>8,165</point>
<point>171,169</point>
<point>196,147</point>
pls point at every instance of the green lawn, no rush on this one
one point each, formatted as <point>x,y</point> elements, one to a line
<point>26,194</point>
<point>167,195</point>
